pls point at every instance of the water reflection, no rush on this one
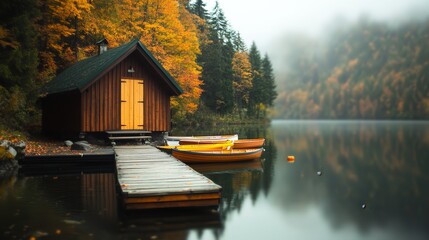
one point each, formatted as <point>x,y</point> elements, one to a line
<point>167,223</point>
<point>338,167</point>
<point>99,194</point>
<point>248,183</point>
<point>234,167</point>
<point>380,164</point>
<point>87,207</point>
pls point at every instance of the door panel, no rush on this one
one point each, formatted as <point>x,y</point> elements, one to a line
<point>125,104</point>
<point>138,104</point>
<point>132,104</point>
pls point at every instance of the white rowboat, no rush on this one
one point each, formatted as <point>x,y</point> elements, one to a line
<point>174,140</point>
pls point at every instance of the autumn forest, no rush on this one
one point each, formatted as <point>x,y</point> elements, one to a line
<point>219,74</point>
<point>366,70</point>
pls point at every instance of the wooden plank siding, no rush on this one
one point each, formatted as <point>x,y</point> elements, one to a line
<point>101,104</point>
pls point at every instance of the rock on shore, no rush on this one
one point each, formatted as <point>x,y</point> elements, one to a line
<point>9,154</point>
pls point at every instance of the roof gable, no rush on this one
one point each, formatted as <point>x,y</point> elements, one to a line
<point>83,73</point>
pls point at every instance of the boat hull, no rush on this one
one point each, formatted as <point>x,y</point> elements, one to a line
<point>213,156</point>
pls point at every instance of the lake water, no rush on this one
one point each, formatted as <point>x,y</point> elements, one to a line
<point>350,180</point>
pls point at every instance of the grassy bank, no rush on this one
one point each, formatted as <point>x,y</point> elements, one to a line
<point>204,118</point>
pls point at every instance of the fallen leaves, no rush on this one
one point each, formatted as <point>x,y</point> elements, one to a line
<point>51,147</point>
<point>43,147</point>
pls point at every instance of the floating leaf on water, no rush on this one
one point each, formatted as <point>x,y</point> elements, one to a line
<point>74,222</point>
<point>38,234</point>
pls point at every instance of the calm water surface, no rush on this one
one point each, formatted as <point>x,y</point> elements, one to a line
<point>350,180</point>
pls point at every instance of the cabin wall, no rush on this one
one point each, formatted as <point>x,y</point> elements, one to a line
<point>61,114</point>
<point>101,103</point>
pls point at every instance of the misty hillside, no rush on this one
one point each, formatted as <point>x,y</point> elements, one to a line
<point>367,71</point>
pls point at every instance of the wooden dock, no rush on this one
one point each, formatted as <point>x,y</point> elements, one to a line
<point>150,178</point>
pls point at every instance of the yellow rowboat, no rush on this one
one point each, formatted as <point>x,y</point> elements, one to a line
<point>211,156</point>
<point>174,140</point>
<point>241,143</point>
<point>195,147</point>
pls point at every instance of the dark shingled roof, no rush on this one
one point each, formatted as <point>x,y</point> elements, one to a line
<point>82,73</point>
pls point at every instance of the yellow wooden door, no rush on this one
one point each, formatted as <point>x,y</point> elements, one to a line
<point>132,104</point>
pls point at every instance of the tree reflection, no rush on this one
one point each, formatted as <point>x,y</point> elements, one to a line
<point>380,164</point>
<point>240,185</point>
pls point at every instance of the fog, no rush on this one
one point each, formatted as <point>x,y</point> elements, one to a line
<point>265,22</point>
<point>341,59</point>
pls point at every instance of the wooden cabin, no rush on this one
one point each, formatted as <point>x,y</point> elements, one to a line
<point>124,88</point>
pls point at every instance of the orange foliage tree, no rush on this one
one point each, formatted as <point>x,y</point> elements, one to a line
<point>166,28</point>
<point>171,36</point>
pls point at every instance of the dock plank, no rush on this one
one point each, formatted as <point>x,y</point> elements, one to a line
<point>150,178</point>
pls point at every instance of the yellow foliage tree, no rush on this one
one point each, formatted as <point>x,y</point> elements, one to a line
<point>242,72</point>
<point>59,26</point>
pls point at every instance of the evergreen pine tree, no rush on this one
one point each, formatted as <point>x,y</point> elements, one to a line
<point>199,8</point>
<point>210,60</point>
<point>227,86</point>
<point>269,86</point>
<point>256,93</point>
<point>239,45</point>
<point>217,64</point>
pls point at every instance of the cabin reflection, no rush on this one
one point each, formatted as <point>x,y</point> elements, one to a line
<point>169,223</point>
<point>99,194</point>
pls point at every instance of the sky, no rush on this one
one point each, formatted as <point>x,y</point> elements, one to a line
<point>267,21</point>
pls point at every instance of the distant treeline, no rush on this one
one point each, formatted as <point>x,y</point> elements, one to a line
<point>365,71</point>
<point>40,38</point>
